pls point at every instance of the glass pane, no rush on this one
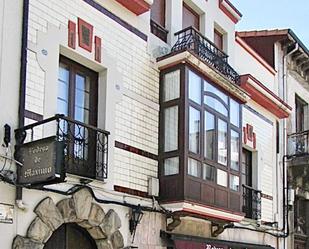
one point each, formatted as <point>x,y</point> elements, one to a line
<point>209,172</point>
<point>171,166</point>
<point>80,83</point>
<point>63,89</point>
<point>234,112</point>
<point>63,73</point>
<point>171,88</point>
<point>81,99</point>
<point>210,88</point>
<point>82,115</point>
<point>194,168</point>
<point>194,87</point>
<point>171,128</point>
<point>234,182</point>
<point>209,136</point>
<point>62,107</point>
<point>235,150</point>
<point>222,142</point>
<point>221,178</point>
<point>194,130</point>
<point>215,104</point>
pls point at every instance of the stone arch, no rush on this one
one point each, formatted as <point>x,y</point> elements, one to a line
<point>79,209</point>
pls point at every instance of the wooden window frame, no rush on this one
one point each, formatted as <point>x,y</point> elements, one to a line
<point>219,34</point>
<point>300,105</point>
<point>158,27</point>
<point>75,68</point>
<point>193,12</point>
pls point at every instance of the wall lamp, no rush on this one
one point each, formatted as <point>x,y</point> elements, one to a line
<point>135,219</point>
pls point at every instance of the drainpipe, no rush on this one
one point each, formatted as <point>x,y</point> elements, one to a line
<point>22,87</point>
<point>285,99</point>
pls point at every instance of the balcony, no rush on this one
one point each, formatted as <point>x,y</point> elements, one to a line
<point>85,147</point>
<point>251,202</point>
<point>298,159</point>
<point>298,144</point>
<point>192,40</point>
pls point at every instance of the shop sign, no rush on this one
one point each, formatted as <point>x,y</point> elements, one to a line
<point>42,161</point>
<point>184,244</point>
<point>6,213</point>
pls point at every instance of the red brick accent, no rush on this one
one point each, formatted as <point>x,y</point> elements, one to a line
<point>72,34</point>
<point>85,34</point>
<point>97,51</point>
<point>130,191</point>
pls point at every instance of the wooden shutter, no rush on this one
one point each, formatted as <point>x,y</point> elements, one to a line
<point>157,13</point>
<point>218,39</point>
<point>190,17</point>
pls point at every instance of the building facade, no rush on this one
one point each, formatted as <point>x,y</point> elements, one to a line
<point>289,57</point>
<point>148,124</point>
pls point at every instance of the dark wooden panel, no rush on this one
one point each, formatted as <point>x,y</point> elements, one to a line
<point>221,198</point>
<point>193,190</point>
<point>171,188</point>
<point>208,194</point>
<point>235,201</point>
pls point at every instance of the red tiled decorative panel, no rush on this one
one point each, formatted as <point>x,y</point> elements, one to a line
<point>97,51</point>
<point>85,34</point>
<point>72,34</point>
<point>138,7</point>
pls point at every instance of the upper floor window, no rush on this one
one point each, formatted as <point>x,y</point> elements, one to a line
<point>190,17</point>
<point>300,111</point>
<point>157,19</point>
<point>77,92</point>
<point>218,39</point>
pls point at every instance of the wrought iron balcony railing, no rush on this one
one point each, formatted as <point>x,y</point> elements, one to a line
<point>191,39</point>
<point>86,146</point>
<point>251,202</point>
<point>298,144</point>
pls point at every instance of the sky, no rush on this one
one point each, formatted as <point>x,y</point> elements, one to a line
<point>273,14</point>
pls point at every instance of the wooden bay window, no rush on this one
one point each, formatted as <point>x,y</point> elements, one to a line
<point>207,125</point>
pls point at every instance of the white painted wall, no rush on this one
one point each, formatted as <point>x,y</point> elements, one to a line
<point>247,64</point>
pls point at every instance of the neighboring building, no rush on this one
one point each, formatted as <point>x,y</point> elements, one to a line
<point>115,99</point>
<point>286,54</point>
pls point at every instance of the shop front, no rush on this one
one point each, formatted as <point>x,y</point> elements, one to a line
<point>180,241</point>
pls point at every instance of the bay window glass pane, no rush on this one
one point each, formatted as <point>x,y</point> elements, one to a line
<point>235,150</point>
<point>63,90</point>
<point>222,142</point>
<point>171,128</point>
<point>209,136</point>
<point>194,167</point>
<point>221,178</point>
<point>195,87</point>
<point>209,172</point>
<point>210,88</point>
<point>234,182</point>
<point>234,112</point>
<point>171,87</point>
<point>194,130</point>
<point>215,104</point>
<point>171,166</point>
